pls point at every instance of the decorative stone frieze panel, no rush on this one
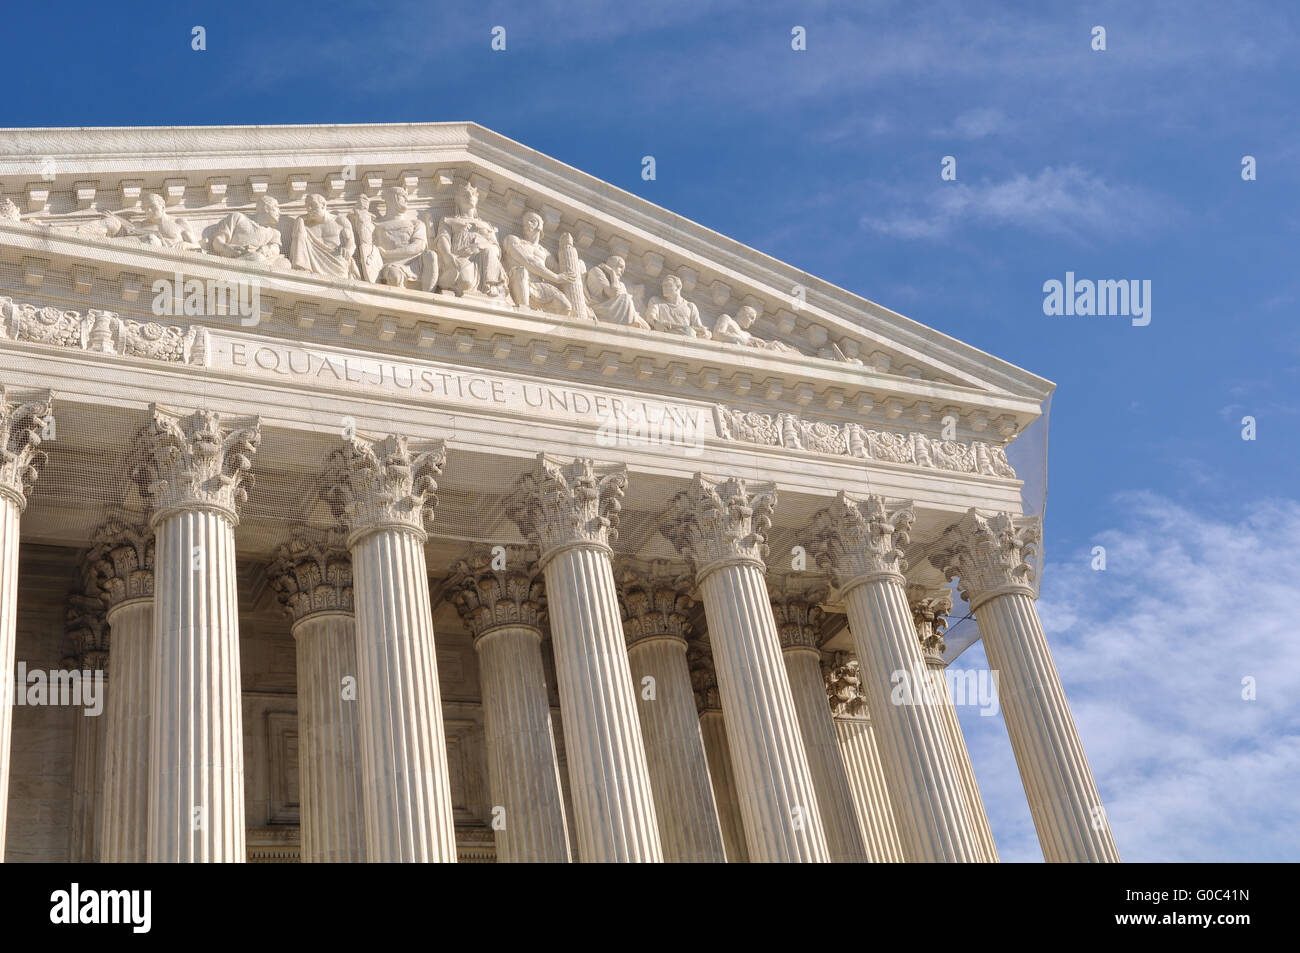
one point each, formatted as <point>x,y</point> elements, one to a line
<point>102,332</point>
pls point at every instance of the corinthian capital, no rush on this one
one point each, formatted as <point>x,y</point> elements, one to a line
<point>312,573</point>
<point>929,612</point>
<point>195,460</point>
<point>989,555</point>
<point>704,677</point>
<point>718,522</point>
<point>120,561</point>
<point>85,625</point>
<point>24,415</point>
<point>843,686</point>
<point>655,599</point>
<point>491,590</point>
<point>558,503</point>
<point>858,538</point>
<point>796,606</point>
<point>384,483</point>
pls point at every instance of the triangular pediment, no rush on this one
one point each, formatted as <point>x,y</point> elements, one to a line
<point>100,215</point>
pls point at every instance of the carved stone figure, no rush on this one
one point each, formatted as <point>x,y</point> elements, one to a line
<point>254,238</point>
<point>9,212</point>
<point>468,253</point>
<point>158,228</point>
<point>610,298</point>
<point>369,261</point>
<point>673,313</point>
<point>533,283</point>
<point>736,331</point>
<point>323,243</point>
<point>403,243</point>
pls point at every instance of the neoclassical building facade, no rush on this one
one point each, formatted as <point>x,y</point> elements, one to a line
<point>397,493</point>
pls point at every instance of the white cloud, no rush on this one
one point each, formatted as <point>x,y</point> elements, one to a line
<point>1067,201</point>
<point>1152,653</point>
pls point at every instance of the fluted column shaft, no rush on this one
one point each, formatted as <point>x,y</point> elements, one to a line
<point>870,792</point>
<point>834,795</point>
<point>124,810</point>
<point>613,800</point>
<point>523,773</point>
<point>1062,795</point>
<point>714,730</point>
<point>403,746</point>
<point>924,785</point>
<point>329,755</point>
<point>196,737</point>
<point>965,770</point>
<point>689,827</point>
<point>88,784</point>
<point>777,797</point>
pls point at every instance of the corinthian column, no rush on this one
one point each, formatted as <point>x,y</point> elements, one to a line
<point>859,540</point>
<point>795,605</point>
<point>720,525</point>
<point>990,555</point>
<point>655,601</point>
<point>122,563</point>
<point>862,760</point>
<point>383,491</point>
<point>312,576</point>
<point>191,469</point>
<point>569,511</point>
<point>501,599</point>
<point>89,633</point>
<point>23,416</point>
<point>708,702</point>
<point>928,613</point>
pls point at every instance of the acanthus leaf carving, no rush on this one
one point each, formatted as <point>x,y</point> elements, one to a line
<point>488,598</point>
<point>989,555</point>
<point>375,483</point>
<point>312,573</point>
<point>720,521</point>
<point>193,460</point>
<point>655,599</point>
<point>563,503</point>
<point>121,559</point>
<point>24,417</point>
<point>861,537</point>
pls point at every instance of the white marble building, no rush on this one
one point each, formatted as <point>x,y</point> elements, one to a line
<point>425,499</point>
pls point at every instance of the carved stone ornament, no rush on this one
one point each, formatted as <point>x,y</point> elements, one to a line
<point>844,686</point>
<point>704,677</point>
<point>377,483</point>
<point>929,611</point>
<point>195,460</point>
<point>103,332</point>
<point>859,538</point>
<point>990,555</point>
<point>24,419</point>
<point>716,522</point>
<point>796,606</point>
<point>312,573</point>
<point>85,625</point>
<point>492,587</point>
<point>559,503</point>
<point>655,599</point>
<point>121,559</point>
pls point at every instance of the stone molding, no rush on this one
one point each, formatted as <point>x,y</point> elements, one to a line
<point>195,460</point>
<point>312,573</point>
<point>720,522</point>
<point>103,332</point>
<point>559,503</point>
<point>489,598</point>
<point>989,555</point>
<point>121,560</point>
<point>24,414</point>
<point>655,599</point>
<point>860,538</point>
<point>377,483</point>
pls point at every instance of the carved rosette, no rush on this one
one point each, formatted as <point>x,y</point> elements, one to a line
<point>859,539</point>
<point>559,504</point>
<point>655,599</point>
<point>489,598</point>
<point>24,415</point>
<point>312,573</point>
<point>990,555</point>
<point>796,606</point>
<point>195,460</point>
<point>704,677</point>
<point>121,560</point>
<point>718,523</point>
<point>385,483</point>
<point>86,626</point>
<point>843,686</point>
<point>929,612</point>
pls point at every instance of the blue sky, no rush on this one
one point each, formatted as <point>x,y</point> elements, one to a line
<point>1117,164</point>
